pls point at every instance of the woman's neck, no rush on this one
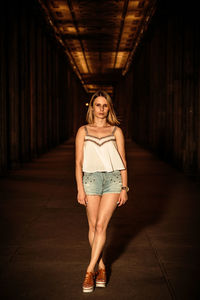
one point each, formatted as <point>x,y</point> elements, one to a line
<point>100,123</point>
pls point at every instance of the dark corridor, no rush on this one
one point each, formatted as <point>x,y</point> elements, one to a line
<point>54,55</point>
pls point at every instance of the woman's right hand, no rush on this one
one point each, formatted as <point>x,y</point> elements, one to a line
<point>82,198</point>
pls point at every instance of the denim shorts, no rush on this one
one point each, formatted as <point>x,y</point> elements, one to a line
<point>99,183</point>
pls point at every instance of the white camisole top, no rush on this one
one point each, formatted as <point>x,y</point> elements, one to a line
<point>101,154</point>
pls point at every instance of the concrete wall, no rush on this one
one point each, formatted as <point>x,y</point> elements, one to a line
<point>39,92</point>
<point>160,94</point>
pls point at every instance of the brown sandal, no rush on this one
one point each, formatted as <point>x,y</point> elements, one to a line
<point>88,284</point>
<point>101,278</point>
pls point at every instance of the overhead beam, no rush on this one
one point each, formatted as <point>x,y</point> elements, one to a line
<point>125,7</point>
<point>77,29</point>
<point>108,78</point>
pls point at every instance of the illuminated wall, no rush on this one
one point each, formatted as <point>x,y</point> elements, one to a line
<point>159,99</point>
<point>39,91</point>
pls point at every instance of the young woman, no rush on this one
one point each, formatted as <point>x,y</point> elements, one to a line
<point>101,177</point>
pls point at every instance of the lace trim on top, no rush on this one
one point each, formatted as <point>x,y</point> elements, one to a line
<point>90,138</point>
<point>100,144</point>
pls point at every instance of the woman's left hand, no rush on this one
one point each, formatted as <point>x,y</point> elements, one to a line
<point>123,197</point>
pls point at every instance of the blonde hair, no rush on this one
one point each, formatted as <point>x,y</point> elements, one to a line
<point>111,118</point>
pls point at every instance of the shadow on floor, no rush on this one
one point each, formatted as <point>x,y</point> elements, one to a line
<point>149,197</point>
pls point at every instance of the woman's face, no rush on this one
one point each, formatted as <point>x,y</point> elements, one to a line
<point>100,107</point>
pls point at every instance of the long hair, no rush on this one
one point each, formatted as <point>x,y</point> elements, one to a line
<point>111,118</point>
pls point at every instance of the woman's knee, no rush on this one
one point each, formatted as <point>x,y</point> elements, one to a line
<point>100,227</point>
<point>92,226</point>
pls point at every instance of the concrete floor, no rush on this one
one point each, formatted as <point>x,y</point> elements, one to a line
<point>152,249</point>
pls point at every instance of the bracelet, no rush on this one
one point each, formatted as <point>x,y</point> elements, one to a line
<point>126,188</point>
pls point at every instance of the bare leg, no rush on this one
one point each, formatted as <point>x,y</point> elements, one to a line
<point>92,214</point>
<point>106,208</point>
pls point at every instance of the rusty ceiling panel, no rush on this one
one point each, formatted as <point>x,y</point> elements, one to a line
<point>99,37</point>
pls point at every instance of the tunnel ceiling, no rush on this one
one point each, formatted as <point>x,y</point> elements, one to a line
<point>99,37</point>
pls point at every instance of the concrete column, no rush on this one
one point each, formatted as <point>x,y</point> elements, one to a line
<point>3,97</point>
<point>33,90</point>
<point>13,87</point>
<point>24,86</point>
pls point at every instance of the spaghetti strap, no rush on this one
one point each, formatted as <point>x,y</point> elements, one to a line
<point>86,130</point>
<point>114,130</point>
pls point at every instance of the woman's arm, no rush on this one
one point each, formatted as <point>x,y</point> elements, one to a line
<point>79,142</point>
<point>121,149</point>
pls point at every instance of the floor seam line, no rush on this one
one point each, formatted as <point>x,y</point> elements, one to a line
<point>162,268</point>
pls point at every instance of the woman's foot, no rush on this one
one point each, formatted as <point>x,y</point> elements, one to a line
<point>88,284</point>
<point>101,278</point>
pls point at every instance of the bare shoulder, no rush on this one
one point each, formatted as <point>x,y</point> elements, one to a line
<point>118,132</point>
<point>81,131</point>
